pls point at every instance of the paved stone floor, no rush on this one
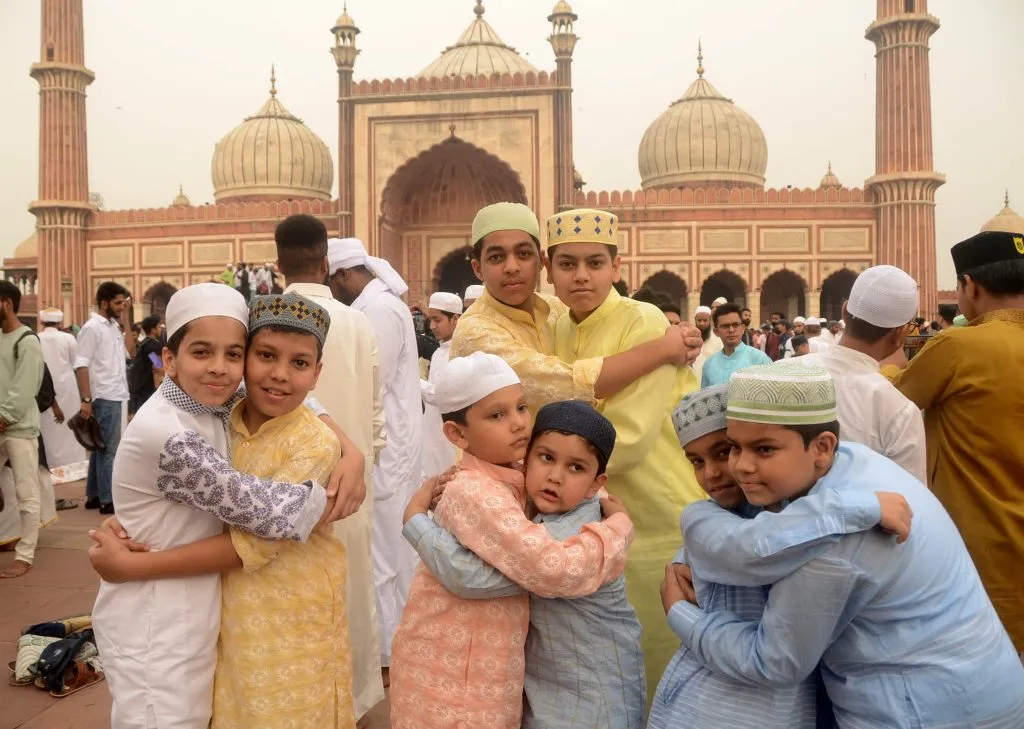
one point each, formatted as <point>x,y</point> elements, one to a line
<point>62,584</point>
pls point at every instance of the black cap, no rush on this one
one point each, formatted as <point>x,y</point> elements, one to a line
<point>579,418</point>
<point>992,246</point>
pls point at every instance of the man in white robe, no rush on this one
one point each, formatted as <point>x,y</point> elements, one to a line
<point>351,392</point>
<point>372,286</point>
<point>712,342</point>
<point>59,347</point>
<point>443,312</point>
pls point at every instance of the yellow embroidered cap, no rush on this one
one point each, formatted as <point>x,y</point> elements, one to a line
<point>582,225</point>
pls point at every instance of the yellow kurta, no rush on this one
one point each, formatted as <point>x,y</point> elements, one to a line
<point>283,656</point>
<point>527,343</point>
<point>648,469</point>
<point>969,382</point>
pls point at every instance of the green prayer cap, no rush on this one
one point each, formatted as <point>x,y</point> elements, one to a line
<point>783,393</point>
<point>505,216</point>
<point>959,320</point>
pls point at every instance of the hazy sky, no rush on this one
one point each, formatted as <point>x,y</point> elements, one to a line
<point>173,77</point>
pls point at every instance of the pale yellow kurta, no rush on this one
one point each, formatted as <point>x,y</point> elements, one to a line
<point>527,343</point>
<point>648,469</point>
<point>350,390</point>
<point>283,657</point>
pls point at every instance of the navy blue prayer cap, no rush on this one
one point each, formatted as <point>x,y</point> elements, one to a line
<point>579,418</point>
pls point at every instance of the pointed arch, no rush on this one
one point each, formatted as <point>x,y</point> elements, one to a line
<point>784,291</point>
<point>723,283</point>
<point>835,290</point>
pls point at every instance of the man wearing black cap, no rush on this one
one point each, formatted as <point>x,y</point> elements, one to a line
<point>969,383</point>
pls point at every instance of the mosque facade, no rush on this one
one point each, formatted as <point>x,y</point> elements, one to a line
<point>418,156</point>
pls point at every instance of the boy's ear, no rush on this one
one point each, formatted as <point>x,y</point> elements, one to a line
<point>599,483</point>
<point>824,447</point>
<point>316,375</point>
<point>545,263</point>
<point>454,433</point>
<point>170,362</point>
<point>616,264</point>
<point>477,271</point>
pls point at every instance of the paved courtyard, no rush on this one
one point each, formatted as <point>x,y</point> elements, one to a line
<point>62,584</point>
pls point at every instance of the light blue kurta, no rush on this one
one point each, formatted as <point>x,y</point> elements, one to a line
<point>719,367</point>
<point>906,635</point>
<point>584,664</point>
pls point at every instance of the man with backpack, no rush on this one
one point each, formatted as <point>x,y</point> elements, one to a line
<point>21,373</point>
<point>144,375</point>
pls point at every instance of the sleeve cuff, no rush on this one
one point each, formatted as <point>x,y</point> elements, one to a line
<point>584,378</point>
<point>314,405</point>
<point>683,618</point>
<point>680,557</point>
<point>81,362</point>
<point>415,528</point>
<point>311,513</point>
<point>861,510</point>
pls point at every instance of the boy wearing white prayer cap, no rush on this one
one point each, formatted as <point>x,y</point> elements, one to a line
<point>516,322</point>
<point>173,485</point>
<point>883,619</point>
<point>443,312</point>
<point>883,301</point>
<point>480,681</point>
<point>370,285</point>
<point>473,293</point>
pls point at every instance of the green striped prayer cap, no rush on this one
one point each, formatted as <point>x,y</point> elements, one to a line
<point>783,393</point>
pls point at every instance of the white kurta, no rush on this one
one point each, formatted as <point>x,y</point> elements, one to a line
<point>711,345</point>
<point>438,452</point>
<point>158,638</point>
<point>350,390</point>
<point>59,354</point>
<point>399,471</point>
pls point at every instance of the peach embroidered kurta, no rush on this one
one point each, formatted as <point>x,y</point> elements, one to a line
<point>458,664</point>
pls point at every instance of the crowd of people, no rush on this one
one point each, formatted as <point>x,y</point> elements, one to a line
<point>583,512</point>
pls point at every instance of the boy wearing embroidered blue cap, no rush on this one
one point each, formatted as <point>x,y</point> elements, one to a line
<point>648,471</point>
<point>904,632</point>
<point>597,683</point>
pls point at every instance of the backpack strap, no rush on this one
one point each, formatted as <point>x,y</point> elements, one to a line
<point>29,333</point>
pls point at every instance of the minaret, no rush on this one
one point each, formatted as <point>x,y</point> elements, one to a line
<point>63,205</point>
<point>905,182</point>
<point>345,52</point>
<point>563,39</point>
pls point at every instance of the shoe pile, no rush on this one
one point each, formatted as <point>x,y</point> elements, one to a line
<point>59,656</point>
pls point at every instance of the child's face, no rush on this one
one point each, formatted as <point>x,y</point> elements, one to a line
<point>509,266</point>
<point>709,456</point>
<point>582,274</point>
<point>771,464</point>
<point>280,370</point>
<point>442,324</point>
<point>211,357</point>
<point>497,428</point>
<point>561,471</point>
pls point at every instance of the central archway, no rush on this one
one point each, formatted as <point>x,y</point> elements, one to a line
<point>431,201</point>
<point>157,297</point>
<point>454,272</point>
<point>835,290</point>
<point>723,284</point>
<point>784,292</point>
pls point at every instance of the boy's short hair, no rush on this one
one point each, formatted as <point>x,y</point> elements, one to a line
<point>175,340</point>
<point>478,247</point>
<point>862,330</point>
<point>724,309</point>
<point>810,432</point>
<point>799,340</point>
<point>301,245</point>
<point>458,417</point>
<point>671,308</point>
<point>1002,278</point>
<point>150,322</point>
<point>12,293</point>
<point>108,291</point>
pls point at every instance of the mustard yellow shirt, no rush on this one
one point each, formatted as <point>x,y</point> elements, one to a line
<point>283,655</point>
<point>970,383</point>
<point>648,469</point>
<point>527,343</point>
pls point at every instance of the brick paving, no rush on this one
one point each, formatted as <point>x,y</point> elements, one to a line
<point>61,584</point>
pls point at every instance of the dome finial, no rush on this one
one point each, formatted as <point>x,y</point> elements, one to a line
<point>273,82</point>
<point>700,60</point>
<point>1006,198</point>
<point>830,167</point>
<point>479,9</point>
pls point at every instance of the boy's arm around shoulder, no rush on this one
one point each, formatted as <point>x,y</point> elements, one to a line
<point>730,550</point>
<point>461,571</point>
<point>488,520</point>
<point>191,471</point>
<point>639,410</point>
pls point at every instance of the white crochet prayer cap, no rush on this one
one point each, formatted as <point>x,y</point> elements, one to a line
<point>473,293</point>
<point>702,310</point>
<point>204,299</point>
<point>466,381</point>
<point>51,316</point>
<point>719,301</point>
<point>813,321</point>
<point>800,320</point>
<point>443,301</point>
<point>885,296</point>
<point>350,252</point>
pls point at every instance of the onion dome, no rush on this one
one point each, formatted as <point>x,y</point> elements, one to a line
<point>1006,220</point>
<point>703,140</point>
<point>830,180</point>
<point>181,201</point>
<point>272,155</point>
<point>478,51</point>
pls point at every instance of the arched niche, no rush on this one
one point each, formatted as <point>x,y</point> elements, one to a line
<point>786,292</point>
<point>834,291</point>
<point>724,284</point>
